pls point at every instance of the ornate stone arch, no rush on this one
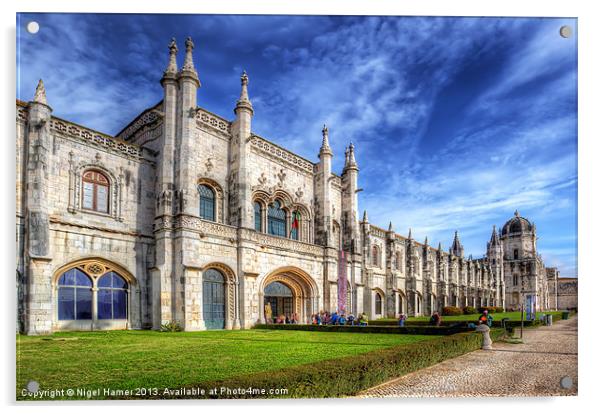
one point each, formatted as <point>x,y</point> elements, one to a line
<point>95,267</point>
<point>76,172</point>
<point>219,196</point>
<point>231,284</point>
<point>304,287</point>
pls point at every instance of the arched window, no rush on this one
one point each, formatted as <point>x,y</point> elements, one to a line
<point>398,261</point>
<point>399,303</point>
<point>74,296</point>
<point>375,255</point>
<point>257,208</point>
<point>295,225</point>
<point>112,297</point>
<point>276,219</point>
<point>95,191</point>
<point>207,202</point>
<point>515,280</point>
<point>515,254</point>
<point>378,303</point>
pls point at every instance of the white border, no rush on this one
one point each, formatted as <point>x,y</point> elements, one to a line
<point>589,186</point>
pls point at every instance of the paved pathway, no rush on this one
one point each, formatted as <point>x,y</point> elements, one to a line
<point>533,368</point>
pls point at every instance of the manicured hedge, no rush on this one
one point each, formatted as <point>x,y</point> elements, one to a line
<point>451,311</point>
<point>412,330</point>
<point>350,375</point>
<point>491,309</point>
<point>469,310</point>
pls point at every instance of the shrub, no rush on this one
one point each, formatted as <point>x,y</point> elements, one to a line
<point>349,375</point>
<point>491,309</point>
<point>172,326</point>
<point>469,310</point>
<point>451,311</point>
<point>423,329</point>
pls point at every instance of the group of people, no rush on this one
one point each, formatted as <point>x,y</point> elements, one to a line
<point>294,318</point>
<point>334,318</point>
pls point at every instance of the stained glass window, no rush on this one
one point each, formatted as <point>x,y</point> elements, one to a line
<point>74,295</point>
<point>95,191</point>
<point>257,208</point>
<point>112,297</point>
<point>276,219</point>
<point>207,202</point>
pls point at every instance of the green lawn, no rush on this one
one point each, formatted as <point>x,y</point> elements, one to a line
<point>515,316</point>
<point>130,359</point>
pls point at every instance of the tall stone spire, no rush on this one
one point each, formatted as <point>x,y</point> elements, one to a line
<point>325,144</point>
<point>352,163</point>
<point>188,66</point>
<point>243,101</point>
<point>440,248</point>
<point>365,219</point>
<point>495,237</point>
<point>426,241</point>
<point>346,158</point>
<point>172,66</point>
<point>516,213</point>
<point>40,94</point>
<point>457,248</point>
<point>410,234</point>
<point>390,226</point>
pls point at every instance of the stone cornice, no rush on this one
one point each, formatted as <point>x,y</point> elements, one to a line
<point>279,154</point>
<point>95,138</point>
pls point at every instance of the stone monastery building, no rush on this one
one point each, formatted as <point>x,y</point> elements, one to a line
<point>190,217</point>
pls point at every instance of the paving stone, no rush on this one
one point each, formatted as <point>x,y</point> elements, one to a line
<point>533,368</point>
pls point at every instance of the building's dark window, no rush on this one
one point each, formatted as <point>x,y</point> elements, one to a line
<point>95,191</point>
<point>515,280</point>
<point>276,219</point>
<point>515,254</point>
<point>257,208</point>
<point>378,304</point>
<point>112,297</point>
<point>74,296</point>
<point>207,202</point>
<point>400,304</point>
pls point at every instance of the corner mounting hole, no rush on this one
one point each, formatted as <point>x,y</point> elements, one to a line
<point>33,27</point>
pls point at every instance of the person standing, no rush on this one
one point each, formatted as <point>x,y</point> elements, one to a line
<point>402,320</point>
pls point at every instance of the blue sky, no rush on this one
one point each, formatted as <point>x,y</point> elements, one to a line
<point>457,122</point>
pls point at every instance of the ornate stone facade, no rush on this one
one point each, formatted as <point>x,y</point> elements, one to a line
<point>148,221</point>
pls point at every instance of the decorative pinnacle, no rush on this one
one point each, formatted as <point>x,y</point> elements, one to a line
<point>325,144</point>
<point>516,213</point>
<point>365,220</point>
<point>390,226</point>
<point>352,163</point>
<point>172,67</point>
<point>243,101</point>
<point>346,157</point>
<point>440,248</point>
<point>426,241</point>
<point>410,234</point>
<point>188,62</point>
<point>40,94</point>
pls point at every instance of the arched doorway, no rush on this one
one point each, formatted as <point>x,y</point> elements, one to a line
<point>288,291</point>
<point>214,299</point>
<point>279,297</point>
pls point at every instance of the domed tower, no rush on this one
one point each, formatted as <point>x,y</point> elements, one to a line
<point>523,267</point>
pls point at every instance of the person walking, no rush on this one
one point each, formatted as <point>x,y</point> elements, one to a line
<point>402,320</point>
